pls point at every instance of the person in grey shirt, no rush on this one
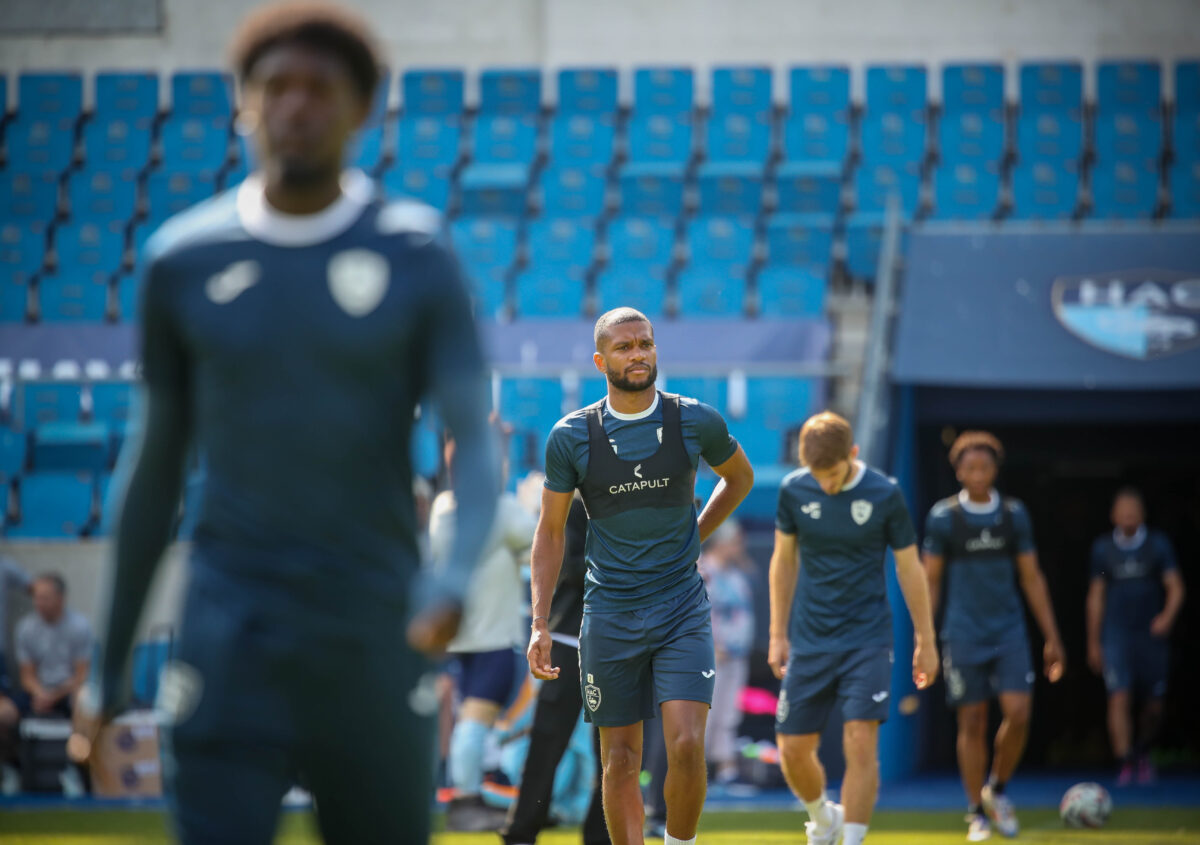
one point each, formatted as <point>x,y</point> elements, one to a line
<point>54,650</point>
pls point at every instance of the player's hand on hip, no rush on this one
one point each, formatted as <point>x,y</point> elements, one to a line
<point>778,652</point>
<point>539,654</point>
<point>431,630</point>
<point>1054,659</point>
<point>925,664</point>
<point>1095,658</point>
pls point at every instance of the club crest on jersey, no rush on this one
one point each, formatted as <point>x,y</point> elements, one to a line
<point>232,282</point>
<point>812,509</point>
<point>860,511</point>
<point>358,280</point>
<point>591,695</point>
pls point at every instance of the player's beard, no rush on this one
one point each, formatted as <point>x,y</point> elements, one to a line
<point>628,385</point>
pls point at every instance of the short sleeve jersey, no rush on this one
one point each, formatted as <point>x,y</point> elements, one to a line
<point>1133,570</point>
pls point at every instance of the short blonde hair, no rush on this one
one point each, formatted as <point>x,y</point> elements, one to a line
<point>825,439</point>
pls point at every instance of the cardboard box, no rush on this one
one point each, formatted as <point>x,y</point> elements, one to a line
<point>127,763</point>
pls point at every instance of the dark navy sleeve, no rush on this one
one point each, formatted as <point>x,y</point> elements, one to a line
<point>899,527</point>
<point>937,530</point>
<point>147,481</point>
<point>716,443</point>
<point>561,473</point>
<point>1166,554</point>
<point>1099,559</point>
<point>785,517</point>
<point>1023,526</point>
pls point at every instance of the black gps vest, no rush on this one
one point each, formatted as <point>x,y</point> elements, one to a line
<point>613,485</point>
<point>991,541</point>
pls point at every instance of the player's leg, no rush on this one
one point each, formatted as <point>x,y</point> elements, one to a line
<point>1151,680</point>
<point>1118,679</point>
<point>621,757</point>
<point>687,781</point>
<point>972,749</point>
<point>595,831</point>
<point>486,685</point>
<point>860,786</point>
<point>809,693</point>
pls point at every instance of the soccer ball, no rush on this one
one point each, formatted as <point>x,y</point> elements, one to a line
<point>1085,805</point>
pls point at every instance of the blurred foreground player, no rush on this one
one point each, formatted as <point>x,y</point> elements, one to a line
<point>831,624</point>
<point>289,328</point>
<point>645,645</point>
<point>1133,601</point>
<point>978,540</point>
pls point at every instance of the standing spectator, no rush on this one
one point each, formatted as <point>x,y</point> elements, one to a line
<point>12,576</point>
<point>1133,601</point>
<point>723,566</point>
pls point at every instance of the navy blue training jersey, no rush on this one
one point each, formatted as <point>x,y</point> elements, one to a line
<point>1132,569</point>
<point>841,600</point>
<point>644,555</point>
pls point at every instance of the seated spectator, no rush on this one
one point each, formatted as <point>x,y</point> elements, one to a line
<point>12,576</point>
<point>54,650</point>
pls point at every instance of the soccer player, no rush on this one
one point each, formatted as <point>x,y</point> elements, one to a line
<point>289,327</point>
<point>1135,595</point>
<point>831,625</point>
<point>646,644</point>
<point>978,539</point>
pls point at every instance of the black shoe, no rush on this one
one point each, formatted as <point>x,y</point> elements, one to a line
<point>471,815</point>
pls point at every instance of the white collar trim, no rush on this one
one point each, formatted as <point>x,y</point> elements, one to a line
<point>1126,543</point>
<point>859,471</point>
<point>268,224</point>
<point>993,502</point>
<point>640,415</point>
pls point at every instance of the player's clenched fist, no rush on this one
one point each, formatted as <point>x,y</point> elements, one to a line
<point>539,653</point>
<point>925,664</point>
<point>777,656</point>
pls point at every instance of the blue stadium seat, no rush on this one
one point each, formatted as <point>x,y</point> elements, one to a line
<point>1049,136</point>
<point>744,90</point>
<point>431,142</point>
<point>565,242</point>
<point>731,188</point>
<point>660,138</point>
<point>711,291</point>
<point>14,447</point>
<point>426,443</point>
<point>117,145</point>
<point>170,192</point>
<point>28,197</point>
<point>972,136</point>
<point>1129,85</point>
<point>663,90</point>
<point>49,401</point>
<point>1187,87</point>
<point>101,195</point>
<point>39,144</point>
<point>504,138</point>
<point>1128,135</point>
<point>532,402</point>
<point>819,90</point>
<point>896,88</point>
<point>494,189</point>
<point>816,137</point>
<point>739,136</point>
<point>50,95</point>
<point>972,88</point>
<point>573,190</point>
<point>1051,86</point>
<point>366,150</point>
<point>516,91</point>
<point>774,405</point>
<point>582,138</point>
<point>636,285</point>
<point>873,183</point>
<point>53,505</point>
<point>1124,190</point>
<point>1184,180</point>
<point>800,239</point>
<point>195,144</point>
<point>111,402</point>
<point>966,191</point>
<point>892,137</point>
<point>484,242</point>
<point>73,296</point>
<point>1185,135</point>
<point>642,242</point>
<point>864,239</point>
<point>127,298</point>
<point>90,250</point>
<point>587,91</point>
<point>22,252</point>
<point>809,187</point>
<point>148,661</point>
<point>711,390</point>
<point>1044,191</point>
<point>726,242</point>
<point>14,306</point>
<point>432,92</point>
<point>786,290</point>
<point>70,446</point>
<point>202,94</point>
<point>550,290</point>
<point>418,182</point>
<point>130,96</point>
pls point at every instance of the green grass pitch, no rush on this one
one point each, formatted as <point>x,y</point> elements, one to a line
<point>1168,826</point>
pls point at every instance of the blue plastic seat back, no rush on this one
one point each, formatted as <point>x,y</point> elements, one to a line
<point>532,402</point>
<point>972,88</point>
<point>575,190</point>
<point>49,401</point>
<point>660,137</point>
<point>743,90</point>
<point>809,188</point>
<point>816,137</point>
<point>205,94</point>
<point>1049,136</point>
<point>642,241</point>
<point>1187,87</point>
<point>972,136</point>
<point>90,247</point>
<point>1051,86</point>
<point>195,144</point>
<point>485,241</point>
<point>651,194</point>
<point>432,92</point>
<point>582,137</point>
<point>73,297</point>
<point>14,448</point>
<point>1128,135</point>
<point>1185,135</point>
<point>429,141</point>
<point>28,199</point>
<point>711,390</point>
<point>169,193</point>
<point>587,91</point>
<point>711,291</point>
<point>550,290</point>
<point>117,145</point>
<point>892,136</point>
<point>635,285</point>
<point>564,242</point>
<point>739,136</point>
<point>896,88</point>
<point>52,95</point>
<point>53,505</point>
<point>101,195</point>
<point>874,183</point>
<point>663,90</point>
<point>40,143</point>
<point>126,95</point>
<point>1125,190</point>
<point>494,190</point>
<point>799,240</point>
<point>1044,191</point>
<point>419,183</point>
<point>786,290</point>
<point>966,191</point>
<point>1132,85</point>
<point>727,242</point>
<point>512,91</point>
<point>71,447</point>
<point>819,89</point>
<point>505,138</point>
<point>731,189</point>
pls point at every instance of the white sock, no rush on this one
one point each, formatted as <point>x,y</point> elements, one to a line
<point>854,833</point>
<point>818,810</point>
<point>668,839</point>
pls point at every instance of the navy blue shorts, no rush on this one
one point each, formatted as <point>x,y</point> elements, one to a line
<point>488,675</point>
<point>858,683</point>
<point>631,661</point>
<point>1005,667</point>
<point>1136,662</point>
